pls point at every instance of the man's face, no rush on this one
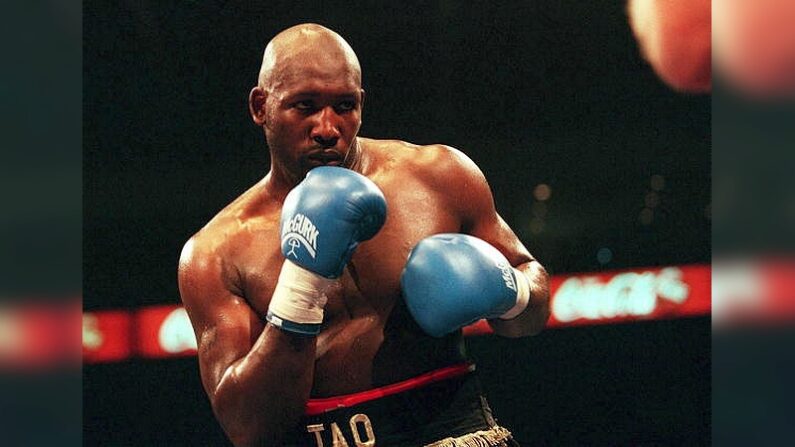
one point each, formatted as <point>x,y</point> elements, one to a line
<point>313,113</point>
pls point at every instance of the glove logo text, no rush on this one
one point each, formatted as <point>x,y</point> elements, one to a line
<point>298,231</point>
<point>507,275</point>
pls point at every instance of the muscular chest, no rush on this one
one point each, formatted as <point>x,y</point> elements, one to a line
<point>372,277</point>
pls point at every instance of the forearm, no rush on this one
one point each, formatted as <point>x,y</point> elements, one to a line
<point>534,317</point>
<point>262,395</point>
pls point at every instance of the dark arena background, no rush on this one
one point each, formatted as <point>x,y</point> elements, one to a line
<point>598,167</point>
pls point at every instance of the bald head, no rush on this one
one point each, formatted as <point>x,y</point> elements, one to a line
<point>305,45</point>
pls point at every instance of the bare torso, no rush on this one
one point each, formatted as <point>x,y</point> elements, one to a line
<point>368,337</point>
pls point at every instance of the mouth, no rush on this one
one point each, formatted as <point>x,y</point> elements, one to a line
<point>325,158</point>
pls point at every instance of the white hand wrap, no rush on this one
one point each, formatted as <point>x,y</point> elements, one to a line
<point>300,295</point>
<point>522,296</point>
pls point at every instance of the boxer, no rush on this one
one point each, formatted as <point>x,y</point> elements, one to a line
<point>327,300</point>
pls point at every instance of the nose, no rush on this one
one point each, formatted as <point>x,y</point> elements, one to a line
<point>325,131</point>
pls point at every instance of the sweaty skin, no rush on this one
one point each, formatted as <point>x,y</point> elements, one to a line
<point>258,377</point>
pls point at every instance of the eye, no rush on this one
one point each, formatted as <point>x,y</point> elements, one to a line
<point>346,106</point>
<point>304,106</point>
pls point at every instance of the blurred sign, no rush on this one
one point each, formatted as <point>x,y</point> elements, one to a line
<point>164,331</point>
<point>670,292</point>
<point>750,292</point>
<point>625,296</point>
<point>40,335</point>
<point>107,336</point>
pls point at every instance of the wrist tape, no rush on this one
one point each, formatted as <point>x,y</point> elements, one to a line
<point>298,300</point>
<point>522,296</point>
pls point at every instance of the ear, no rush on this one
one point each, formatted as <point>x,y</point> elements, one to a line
<point>256,105</point>
<point>361,104</point>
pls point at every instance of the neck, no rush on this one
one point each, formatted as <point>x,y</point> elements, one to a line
<point>277,186</point>
<point>354,158</point>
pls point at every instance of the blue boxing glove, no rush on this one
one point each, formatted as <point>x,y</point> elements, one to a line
<point>327,215</point>
<point>451,280</point>
<point>323,220</point>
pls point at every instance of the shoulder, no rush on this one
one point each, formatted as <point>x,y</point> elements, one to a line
<point>435,162</point>
<point>210,253</point>
<point>204,262</point>
<point>445,170</point>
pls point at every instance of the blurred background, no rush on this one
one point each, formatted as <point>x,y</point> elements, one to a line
<point>40,223</point>
<point>595,163</point>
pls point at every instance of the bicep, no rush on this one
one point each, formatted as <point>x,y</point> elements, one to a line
<point>224,338</point>
<point>479,213</point>
<point>224,323</point>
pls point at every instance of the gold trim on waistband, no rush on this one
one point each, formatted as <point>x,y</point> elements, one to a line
<point>495,436</point>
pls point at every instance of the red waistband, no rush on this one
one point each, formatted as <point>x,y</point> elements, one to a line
<point>319,406</point>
